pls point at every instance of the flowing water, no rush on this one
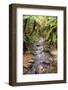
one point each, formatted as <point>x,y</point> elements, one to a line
<point>42,61</point>
<point>40,58</point>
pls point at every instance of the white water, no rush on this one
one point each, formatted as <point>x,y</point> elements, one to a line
<point>39,56</point>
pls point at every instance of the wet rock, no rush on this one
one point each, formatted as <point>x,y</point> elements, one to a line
<point>31,61</point>
<point>40,41</point>
<point>46,49</point>
<point>55,59</point>
<point>50,59</point>
<point>53,52</point>
<point>53,69</point>
<point>25,70</point>
<point>41,69</point>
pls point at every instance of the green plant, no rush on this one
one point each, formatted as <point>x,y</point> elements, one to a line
<point>36,26</point>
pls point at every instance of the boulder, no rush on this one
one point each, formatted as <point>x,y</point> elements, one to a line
<point>53,52</point>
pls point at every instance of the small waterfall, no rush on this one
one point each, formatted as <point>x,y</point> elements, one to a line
<point>39,56</point>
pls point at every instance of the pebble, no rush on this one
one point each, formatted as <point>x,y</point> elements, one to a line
<point>53,52</point>
<point>40,69</point>
<point>31,61</point>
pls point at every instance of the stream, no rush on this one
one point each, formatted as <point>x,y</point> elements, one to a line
<point>43,61</point>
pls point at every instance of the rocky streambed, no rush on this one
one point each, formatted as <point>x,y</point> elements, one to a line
<point>40,62</point>
<point>39,59</point>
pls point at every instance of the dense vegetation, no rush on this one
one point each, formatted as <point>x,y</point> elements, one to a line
<point>36,26</point>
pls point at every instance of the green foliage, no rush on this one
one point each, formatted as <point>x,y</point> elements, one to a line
<point>36,26</point>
